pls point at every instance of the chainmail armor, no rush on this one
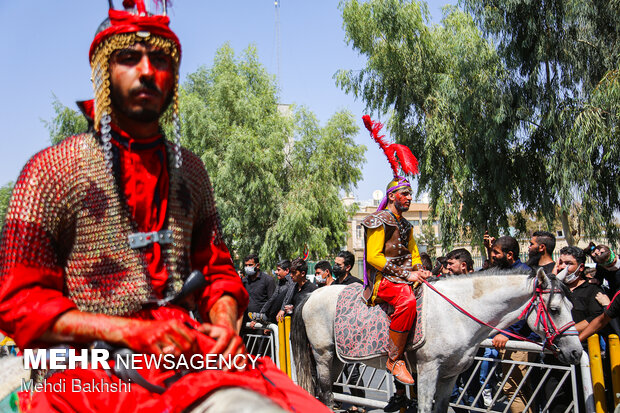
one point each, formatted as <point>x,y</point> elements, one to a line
<point>66,212</point>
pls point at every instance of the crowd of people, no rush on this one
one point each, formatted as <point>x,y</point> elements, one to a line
<point>592,290</point>
<point>274,297</point>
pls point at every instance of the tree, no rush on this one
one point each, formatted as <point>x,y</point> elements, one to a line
<point>66,122</point>
<point>5,197</point>
<point>277,177</point>
<point>443,86</point>
<point>491,111</point>
<point>563,59</point>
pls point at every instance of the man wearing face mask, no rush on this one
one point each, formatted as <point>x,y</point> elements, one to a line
<point>342,269</point>
<point>259,285</point>
<point>323,274</point>
<point>570,269</point>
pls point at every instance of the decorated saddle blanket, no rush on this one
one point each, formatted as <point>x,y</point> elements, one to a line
<point>361,332</point>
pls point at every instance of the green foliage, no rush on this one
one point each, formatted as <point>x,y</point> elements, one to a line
<point>66,122</point>
<point>277,176</point>
<point>443,85</point>
<point>500,108</point>
<point>5,197</point>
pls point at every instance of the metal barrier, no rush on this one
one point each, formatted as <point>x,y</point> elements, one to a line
<point>378,384</point>
<point>598,380</point>
<point>276,344</point>
<point>542,372</point>
<point>259,344</point>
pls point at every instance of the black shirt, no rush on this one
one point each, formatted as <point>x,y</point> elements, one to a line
<point>612,277</point>
<point>613,309</point>
<point>259,290</point>
<point>303,292</point>
<point>282,296</point>
<point>585,306</point>
<point>547,267</point>
<point>349,279</point>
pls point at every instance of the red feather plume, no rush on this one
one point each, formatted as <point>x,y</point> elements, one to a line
<point>394,152</point>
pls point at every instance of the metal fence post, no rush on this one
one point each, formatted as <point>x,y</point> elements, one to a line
<point>287,344</point>
<point>596,367</point>
<point>282,347</point>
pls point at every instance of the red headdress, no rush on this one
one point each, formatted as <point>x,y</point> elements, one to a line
<point>125,21</point>
<point>399,157</point>
<point>122,29</point>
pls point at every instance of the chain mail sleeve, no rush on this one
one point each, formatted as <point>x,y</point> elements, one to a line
<point>35,240</point>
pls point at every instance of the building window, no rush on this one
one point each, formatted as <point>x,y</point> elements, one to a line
<point>359,232</point>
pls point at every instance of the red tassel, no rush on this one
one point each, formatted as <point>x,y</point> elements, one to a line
<point>408,162</point>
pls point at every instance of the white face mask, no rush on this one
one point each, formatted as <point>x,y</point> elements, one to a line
<point>319,279</point>
<point>567,278</point>
<point>250,271</point>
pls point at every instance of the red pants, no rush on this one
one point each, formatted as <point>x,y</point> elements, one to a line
<point>402,298</point>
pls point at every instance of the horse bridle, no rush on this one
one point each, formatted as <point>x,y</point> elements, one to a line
<point>542,316</point>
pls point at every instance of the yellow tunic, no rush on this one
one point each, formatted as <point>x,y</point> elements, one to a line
<point>375,243</point>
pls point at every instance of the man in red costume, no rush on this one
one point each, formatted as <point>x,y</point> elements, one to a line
<point>106,225</point>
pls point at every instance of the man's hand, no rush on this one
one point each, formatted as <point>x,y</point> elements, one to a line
<point>227,342</point>
<point>602,299</point>
<point>142,336</point>
<point>418,276</point>
<point>224,312</point>
<point>499,341</point>
<point>488,240</point>
<point>159,337</point>
<point>280,316</point>
<point>288,309</point>
<point>252,323</point>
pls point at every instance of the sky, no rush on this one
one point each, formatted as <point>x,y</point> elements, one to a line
<point>45,44</point>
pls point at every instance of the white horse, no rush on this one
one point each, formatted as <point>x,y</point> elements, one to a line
<point>452,338</point>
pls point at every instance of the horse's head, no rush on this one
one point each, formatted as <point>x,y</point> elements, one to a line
<point>549,315</point>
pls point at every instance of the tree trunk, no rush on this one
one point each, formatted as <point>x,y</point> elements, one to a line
<point>566,228</point>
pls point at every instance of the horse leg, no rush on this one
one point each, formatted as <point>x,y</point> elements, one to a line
<point>442,393</point>
<point>427,382</point>
<point>325,373</point>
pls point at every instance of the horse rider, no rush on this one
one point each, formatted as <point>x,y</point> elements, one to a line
<point>393,263</point>
<point>102,232</point>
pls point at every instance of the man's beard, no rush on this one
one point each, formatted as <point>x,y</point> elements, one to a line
<point>501,263</point>
<point>400,207</point>
<point>143,114</point>
<point>533,259</point>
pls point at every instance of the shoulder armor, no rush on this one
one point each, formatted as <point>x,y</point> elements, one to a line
<point>378,218</point>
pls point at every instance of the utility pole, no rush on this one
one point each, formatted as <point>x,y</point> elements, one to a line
<point>277,9</point>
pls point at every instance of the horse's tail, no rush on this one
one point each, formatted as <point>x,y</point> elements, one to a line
<point>300,346</point>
